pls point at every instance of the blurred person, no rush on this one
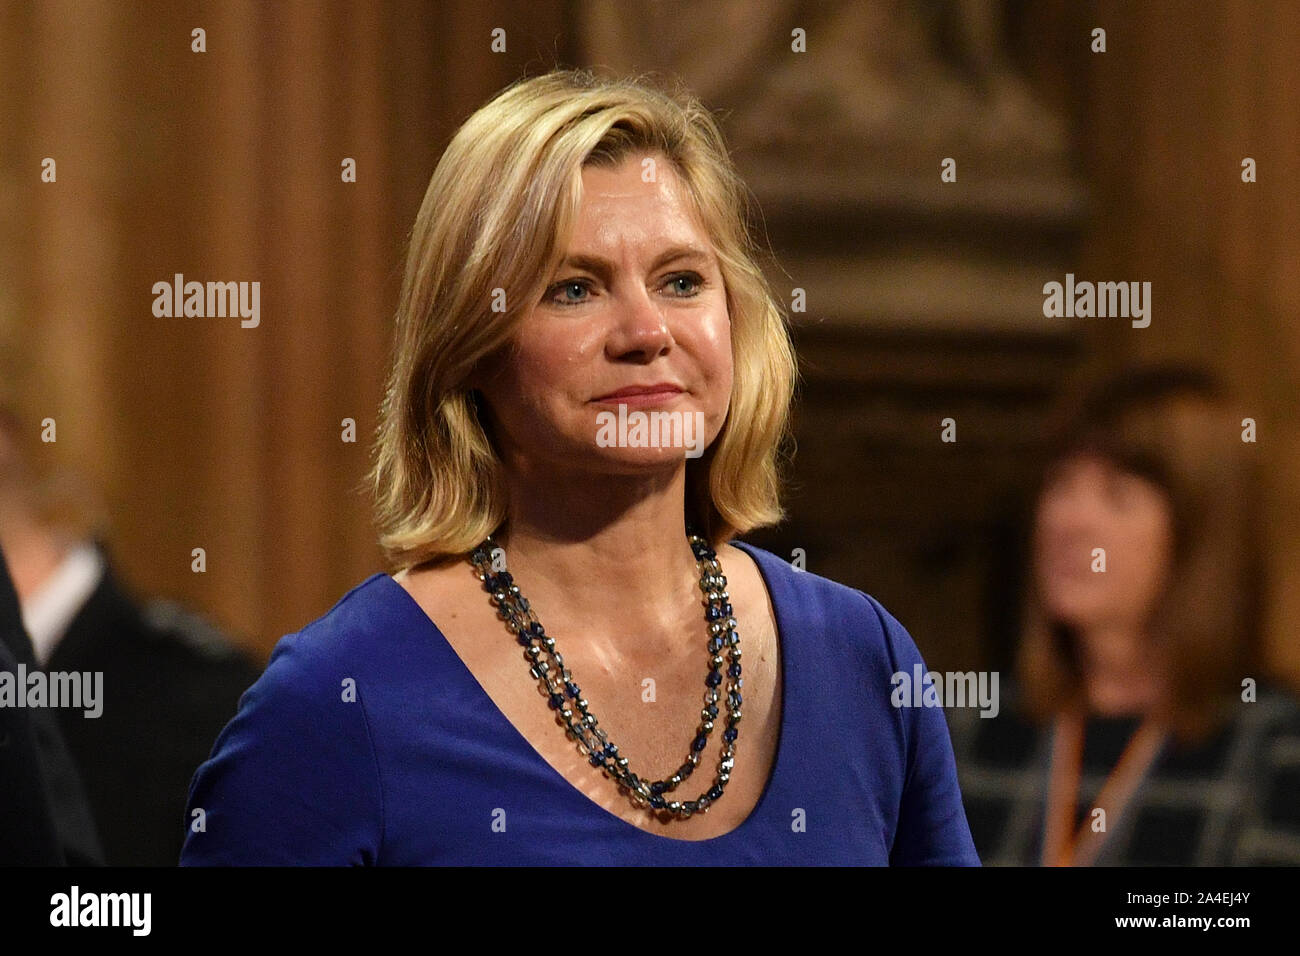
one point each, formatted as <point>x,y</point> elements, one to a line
<point>524,689</point>
<point>1138,688</point>
<point>169,678</point>
<point>45,819</point>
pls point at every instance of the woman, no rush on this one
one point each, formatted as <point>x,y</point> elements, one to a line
<point>1142,732</point>
<point>582,256</point>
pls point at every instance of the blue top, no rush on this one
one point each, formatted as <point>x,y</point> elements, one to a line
<point>419,765</point>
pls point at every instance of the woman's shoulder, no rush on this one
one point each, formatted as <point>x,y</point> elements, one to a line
<point>843,618</point>
<point>365,626</point>
<point>294,776</point>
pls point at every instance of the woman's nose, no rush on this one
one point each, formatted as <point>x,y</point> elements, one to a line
<point>641,328</point>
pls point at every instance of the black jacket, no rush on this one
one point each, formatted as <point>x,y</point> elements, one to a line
<point>171,683</point>
<point>44,817</point>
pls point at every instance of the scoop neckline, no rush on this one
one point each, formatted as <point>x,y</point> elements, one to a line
<point>775,775</point>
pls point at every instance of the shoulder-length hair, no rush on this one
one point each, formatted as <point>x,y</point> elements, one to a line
<point>491,229</point>
<point>1174,425</point>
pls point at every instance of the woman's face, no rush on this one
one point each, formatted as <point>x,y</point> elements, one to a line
<point>1089,503</point>
<point>638,301</point>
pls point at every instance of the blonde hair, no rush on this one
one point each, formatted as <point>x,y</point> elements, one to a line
<point>503,197</point>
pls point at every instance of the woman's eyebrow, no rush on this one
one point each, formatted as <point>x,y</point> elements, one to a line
<point>603,267</point>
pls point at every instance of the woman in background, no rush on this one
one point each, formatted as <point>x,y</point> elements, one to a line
<point>1139,730</point>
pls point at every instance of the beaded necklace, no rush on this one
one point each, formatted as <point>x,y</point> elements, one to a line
<point>564,695</point>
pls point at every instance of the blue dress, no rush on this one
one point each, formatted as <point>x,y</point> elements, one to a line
<point>418,765</point>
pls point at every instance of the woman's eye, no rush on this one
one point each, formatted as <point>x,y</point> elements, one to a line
<point>690,277</point>
<point>1123,490</point>
<point>569,292</point>
<point>564,288</point>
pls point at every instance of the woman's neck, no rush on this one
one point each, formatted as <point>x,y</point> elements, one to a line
<point>1120,675</point>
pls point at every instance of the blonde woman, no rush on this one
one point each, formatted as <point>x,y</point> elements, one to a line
<point>558,670</point>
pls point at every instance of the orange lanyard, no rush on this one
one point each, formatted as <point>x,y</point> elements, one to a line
<point>1059,847</point>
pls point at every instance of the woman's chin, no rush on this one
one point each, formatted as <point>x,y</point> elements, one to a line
<point>633,461</point>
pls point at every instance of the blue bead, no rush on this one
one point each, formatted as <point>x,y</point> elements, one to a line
<point>734,670</point>
<point>557,701</point>
<point>714,679</point>
<point>572,689</point>
<point>730,734</point>
<point>699,742</point>
<point>715,793</point>
<point>658,802</point>
<point>712,711</point>
<point>596,760</point>
<point>657,788</point>
<point>734,699</point>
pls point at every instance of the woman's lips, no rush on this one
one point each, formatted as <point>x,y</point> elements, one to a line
<point>639,399</point>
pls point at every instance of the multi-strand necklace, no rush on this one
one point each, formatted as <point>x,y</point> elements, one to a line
<point>565,697</point>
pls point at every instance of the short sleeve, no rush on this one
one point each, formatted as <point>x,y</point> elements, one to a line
<point>292,779</point>
<point>932,828</point>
